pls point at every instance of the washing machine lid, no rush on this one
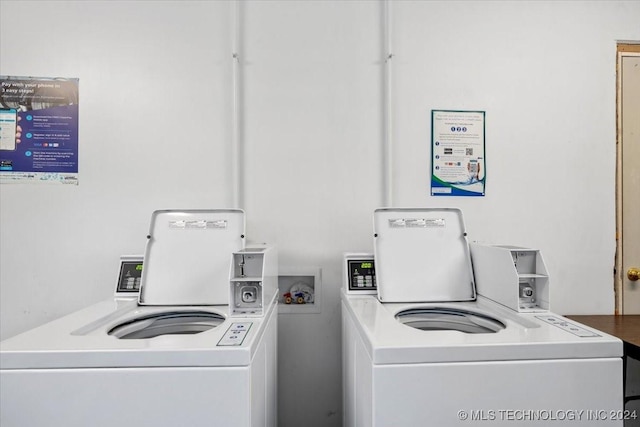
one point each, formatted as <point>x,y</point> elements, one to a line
<point>188,256</point>
<point>422,255</point>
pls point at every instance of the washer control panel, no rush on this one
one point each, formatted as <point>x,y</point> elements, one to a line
<point>567,326</point>
<point>235,335</point>
<point>360,274</point>
<point>130,275</point>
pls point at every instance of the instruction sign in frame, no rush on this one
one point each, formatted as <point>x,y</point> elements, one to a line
<point>458,166</point>
<point>39,130</point>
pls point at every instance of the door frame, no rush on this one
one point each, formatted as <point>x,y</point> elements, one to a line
<point>623,49</point>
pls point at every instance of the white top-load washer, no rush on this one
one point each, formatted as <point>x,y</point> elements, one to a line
<point>175,355</point>
<point>428,351</point>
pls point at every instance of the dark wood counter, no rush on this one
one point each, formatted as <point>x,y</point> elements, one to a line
<point>626,327</point>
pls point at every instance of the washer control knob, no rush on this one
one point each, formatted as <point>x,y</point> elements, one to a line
<point>248,296</point>
<point>526,292</point>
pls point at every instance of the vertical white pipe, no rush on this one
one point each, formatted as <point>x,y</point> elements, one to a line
<point>236,148</point>
<point>387,122</point>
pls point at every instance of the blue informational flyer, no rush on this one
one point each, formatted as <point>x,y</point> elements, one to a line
<point>458,165</point>
<point>38,130</point>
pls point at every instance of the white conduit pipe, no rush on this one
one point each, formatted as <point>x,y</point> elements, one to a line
<point>387,123</point>
<point>236,146</point>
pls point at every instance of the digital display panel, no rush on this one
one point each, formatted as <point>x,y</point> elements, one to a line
<point>362,275</point>
<point>130,276</point>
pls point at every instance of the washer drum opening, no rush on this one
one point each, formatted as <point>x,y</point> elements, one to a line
<point>167,323</point>
<point>449,319</point>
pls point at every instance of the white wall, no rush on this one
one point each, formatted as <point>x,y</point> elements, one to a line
<point>154,98</point>
<point>155,103</point>
<point>545,74</point>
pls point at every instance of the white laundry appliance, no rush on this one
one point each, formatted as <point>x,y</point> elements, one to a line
<point>176,355</point>
<point>421,348</point>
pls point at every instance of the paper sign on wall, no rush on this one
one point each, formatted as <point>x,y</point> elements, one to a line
<point>38,130</point>
<point>457,153</point>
